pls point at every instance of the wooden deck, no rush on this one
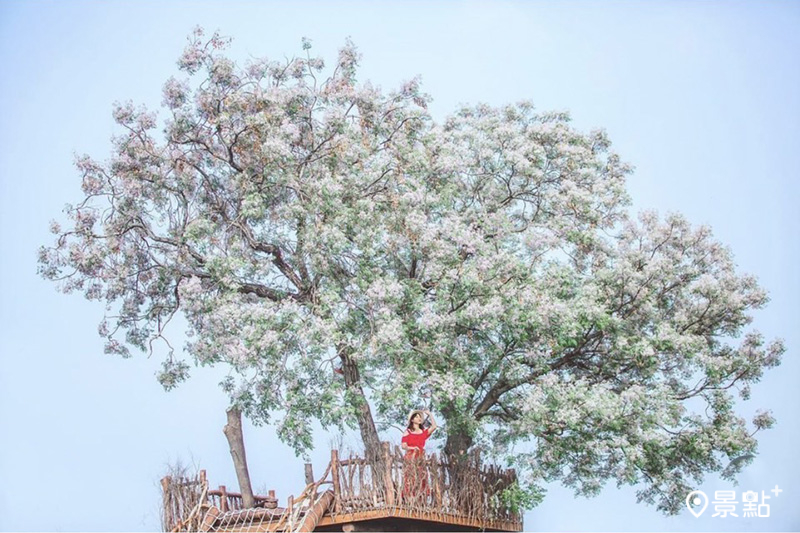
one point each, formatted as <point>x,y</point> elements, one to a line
<point>330,522</point>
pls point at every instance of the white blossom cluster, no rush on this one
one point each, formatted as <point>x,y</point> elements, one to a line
<point>331,243</point>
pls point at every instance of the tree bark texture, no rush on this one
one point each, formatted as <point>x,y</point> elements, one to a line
<point>366,424</point>
<point>457,444</point>
<point>233,432</point>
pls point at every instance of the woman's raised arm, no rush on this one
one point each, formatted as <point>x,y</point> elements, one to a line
<point>433,422</point>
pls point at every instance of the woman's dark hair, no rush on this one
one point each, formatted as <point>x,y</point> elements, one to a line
<point>413,414</point>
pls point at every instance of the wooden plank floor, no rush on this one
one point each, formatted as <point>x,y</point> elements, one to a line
<point>442,518</point>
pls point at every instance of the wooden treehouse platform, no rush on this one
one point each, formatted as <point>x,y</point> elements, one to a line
<point>429,493</point>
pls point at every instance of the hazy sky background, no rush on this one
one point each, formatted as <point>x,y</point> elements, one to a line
<point>702,97</point>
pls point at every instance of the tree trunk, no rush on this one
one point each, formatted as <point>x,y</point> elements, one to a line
<point>457,444</point>
<point>459,440</point>
<point>456,450</point>
<point>366,424</point>
<point>233,432</point>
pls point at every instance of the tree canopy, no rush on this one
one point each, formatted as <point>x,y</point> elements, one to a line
<point>302,221</point>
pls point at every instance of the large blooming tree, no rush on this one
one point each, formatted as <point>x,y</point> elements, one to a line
<point>307,226</point>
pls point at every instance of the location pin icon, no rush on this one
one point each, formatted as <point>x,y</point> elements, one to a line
<point>694,499</point>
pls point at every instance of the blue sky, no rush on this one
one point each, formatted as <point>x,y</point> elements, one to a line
<point>702,97</point>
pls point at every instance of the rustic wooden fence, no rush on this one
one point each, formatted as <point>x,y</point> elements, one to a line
<point>448,489</point>
<point>183,498</point>
<point>186,499</point>
<point>232,501</point>
<point>458,486</point>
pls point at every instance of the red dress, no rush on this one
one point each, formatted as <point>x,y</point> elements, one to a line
<point>415,439</point>
<point>415,478</point>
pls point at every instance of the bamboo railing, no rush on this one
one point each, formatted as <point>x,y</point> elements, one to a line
<point>182,500</point>
<point>431,484</point>
<point>459,490</point>
<point>186,500</point>
<point>232,501</point>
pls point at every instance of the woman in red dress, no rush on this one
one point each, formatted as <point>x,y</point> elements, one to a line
<point>415,482</point>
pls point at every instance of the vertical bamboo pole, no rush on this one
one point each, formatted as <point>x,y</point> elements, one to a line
<point>387,474</point>
<point>437,480</point>
<point>309,474</point>
<point>167,513</point>
<point>348,487</point>
<point>223,499</point>
<point>364,492</point>
<point>204,485</point>
<point>289,511</point>
<point>516,517</point>
<point>335,477</point>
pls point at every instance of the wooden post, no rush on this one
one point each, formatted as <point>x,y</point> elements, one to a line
<point>204,486</point>
<point>387,474</point>
<point>436,473</point>
<point>309,474</point>
<point>272,501</point>
<point>337,495</point>
<point>223,499</point>
<point>518,514</point>
<point>165,502</point>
